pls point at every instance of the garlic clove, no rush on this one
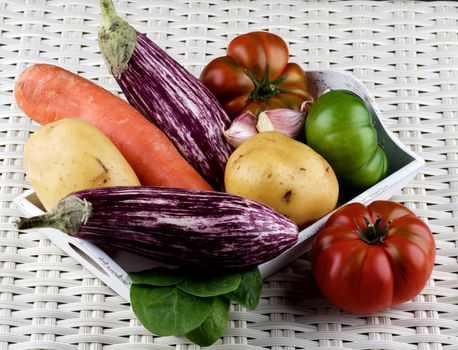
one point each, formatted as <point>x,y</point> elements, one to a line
<point>287,121</point>
<point>306,105</point>
<point>242,128</point>
<point>264,123</point>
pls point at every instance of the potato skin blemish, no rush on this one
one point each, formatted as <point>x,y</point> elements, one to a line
<point>287,196</point>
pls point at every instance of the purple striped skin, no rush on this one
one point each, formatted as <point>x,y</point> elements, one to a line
<point>188,228</point>
<point>181,106</point>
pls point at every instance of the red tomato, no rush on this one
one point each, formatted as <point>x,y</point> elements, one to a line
<point>255,75</point>
<point>369,258</point>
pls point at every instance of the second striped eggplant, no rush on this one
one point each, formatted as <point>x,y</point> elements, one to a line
<point>187,228</point>
<point>167,94</point>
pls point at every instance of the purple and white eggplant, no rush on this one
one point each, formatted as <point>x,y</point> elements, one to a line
<point>190,228</point>
<point>167,94</point>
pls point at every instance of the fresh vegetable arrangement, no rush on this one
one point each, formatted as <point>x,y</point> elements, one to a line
<point>167,94</point>
<point>369,258</point>
<point>48,93</point>
<point>212,177</point>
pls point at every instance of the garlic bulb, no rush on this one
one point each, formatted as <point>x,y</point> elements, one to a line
<point>241,129</point>
<point>286,121</point>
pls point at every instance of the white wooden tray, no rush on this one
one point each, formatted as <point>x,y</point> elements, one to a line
<point>112,267</point>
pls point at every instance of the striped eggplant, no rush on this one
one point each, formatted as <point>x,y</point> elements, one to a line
<point>167,94</point>
<point>188,228</point>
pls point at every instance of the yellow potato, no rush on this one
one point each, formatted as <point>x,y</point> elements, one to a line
<point>285,174</point>
<point>70,155</point>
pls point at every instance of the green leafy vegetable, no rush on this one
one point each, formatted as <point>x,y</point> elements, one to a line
<point>158,276</point>
<point>249,290</point>
<point>213,326</point>
<point>168,310</point>
<point>208,286</point>
<point>175,302</point>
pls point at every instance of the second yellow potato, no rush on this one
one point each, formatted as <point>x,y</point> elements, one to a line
<point>285,174</point>
<point>70,155</point>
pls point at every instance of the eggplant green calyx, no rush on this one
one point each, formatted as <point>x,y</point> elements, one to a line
<point>117,39</point>
<point>67,216</point>
<point>373,233</point>
<point>265,89</point>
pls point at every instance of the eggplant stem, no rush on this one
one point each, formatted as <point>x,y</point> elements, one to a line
<point>67,216</point>
<point>117,39</point>
<point>108,12</point>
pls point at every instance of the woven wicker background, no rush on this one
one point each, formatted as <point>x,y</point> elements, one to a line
<point>407,55</point>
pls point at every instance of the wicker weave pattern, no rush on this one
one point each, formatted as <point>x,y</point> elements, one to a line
<point>407,55</point>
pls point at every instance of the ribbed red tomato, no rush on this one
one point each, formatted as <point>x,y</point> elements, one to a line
<point>255,75</point>
<point>369,258</point>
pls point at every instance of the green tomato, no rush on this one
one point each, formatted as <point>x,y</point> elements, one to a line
<point>339,127</point>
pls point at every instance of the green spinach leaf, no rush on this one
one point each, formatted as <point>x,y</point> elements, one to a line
<point>213,326</point>
<point>208,286</point>
<point>249,290</point>
<point>158,276</point>
<point>168,310</point>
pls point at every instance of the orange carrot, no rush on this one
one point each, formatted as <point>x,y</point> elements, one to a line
<point>47,93</point>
